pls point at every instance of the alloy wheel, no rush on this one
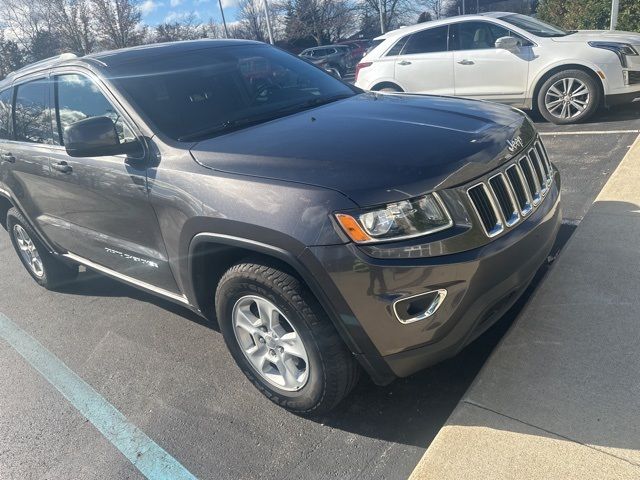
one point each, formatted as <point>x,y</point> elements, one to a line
<point>28,251</point>
<point>270,343</point>
<point>567,98</point>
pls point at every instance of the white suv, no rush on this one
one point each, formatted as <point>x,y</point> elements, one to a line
<point>508,58</point>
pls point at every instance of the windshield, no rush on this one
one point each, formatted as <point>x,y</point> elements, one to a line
<point>209,91</point>
<point>535,26</point>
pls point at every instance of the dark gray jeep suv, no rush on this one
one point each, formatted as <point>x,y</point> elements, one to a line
<point>327,230</point>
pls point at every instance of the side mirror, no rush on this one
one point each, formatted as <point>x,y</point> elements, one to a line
<point>96,137</point>
<point>511,44</point>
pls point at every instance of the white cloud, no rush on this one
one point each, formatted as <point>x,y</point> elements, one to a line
<point>229,3</point>
<point>180,16</point>
<point>149,6</point>
<point>200,2</point>
<point>175,3</point>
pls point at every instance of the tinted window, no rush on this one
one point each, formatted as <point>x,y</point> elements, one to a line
<point>478,35</point>
<point>427,41</point>
<point>6,97</point>
<point>32,115</point>
<point>209,91</point>
<point>77,98</point>
<point>397,48</point>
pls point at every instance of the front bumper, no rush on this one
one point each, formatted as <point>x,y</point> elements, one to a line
<point>481,284</point>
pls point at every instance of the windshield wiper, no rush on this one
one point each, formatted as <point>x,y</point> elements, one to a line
<point>230,125</point>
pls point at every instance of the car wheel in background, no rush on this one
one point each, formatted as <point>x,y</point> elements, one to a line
<point>570,96</point>
<point>282,340</point>
<point>387,88</point>
<point>45,269</point>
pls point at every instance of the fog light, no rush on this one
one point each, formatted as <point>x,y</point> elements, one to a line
<point>418,307</point>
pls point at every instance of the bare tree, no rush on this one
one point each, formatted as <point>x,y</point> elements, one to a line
<point>395,13</point>
<point>25,20</point>
<point>183,29</point>
<point>323,20</point>
<point>117,23</point>
<point>252,22</point>
<point>73,23</point>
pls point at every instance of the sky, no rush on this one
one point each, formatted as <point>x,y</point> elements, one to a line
<point>155,12</point>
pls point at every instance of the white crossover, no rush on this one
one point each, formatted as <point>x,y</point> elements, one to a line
<point>508,58</point>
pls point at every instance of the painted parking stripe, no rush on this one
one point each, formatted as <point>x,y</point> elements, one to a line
<point>146,455</point>
<point>592,132</point>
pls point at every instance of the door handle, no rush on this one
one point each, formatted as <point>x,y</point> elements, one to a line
<point>466,62</point>
<point>404,62</point>
<point>62,167</point>
<point>7,157</point>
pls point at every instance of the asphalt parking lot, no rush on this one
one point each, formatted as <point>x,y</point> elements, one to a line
<point>169,374</point>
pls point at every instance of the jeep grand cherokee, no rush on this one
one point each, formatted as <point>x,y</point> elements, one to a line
<point>327,230</point>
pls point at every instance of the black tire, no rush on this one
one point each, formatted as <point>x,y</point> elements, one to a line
<point>387,88</point>
<point>55,274</point>
<point>333,372</point>
<point>594,97</point>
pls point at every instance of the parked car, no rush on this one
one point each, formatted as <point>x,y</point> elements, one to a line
<point>335,59</point>
<point>318,225</point>
<point>358,49</point>
<point>508,58</point>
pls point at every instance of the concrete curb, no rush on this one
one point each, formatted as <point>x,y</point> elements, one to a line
<point>558,397</point>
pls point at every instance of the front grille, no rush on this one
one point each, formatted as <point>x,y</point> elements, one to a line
<point>507,197</point>
<point>634,77</point>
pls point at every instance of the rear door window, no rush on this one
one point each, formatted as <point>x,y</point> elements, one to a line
<point>427,41</point>
<point>33,113</point>
<point>6,98</point>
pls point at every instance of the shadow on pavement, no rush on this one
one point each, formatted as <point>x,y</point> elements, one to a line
<point>411,410</point>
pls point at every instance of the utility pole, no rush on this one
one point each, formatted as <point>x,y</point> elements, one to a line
<point>224,22</point>
<point>463,9</point>
<point>268,17</point>
<point>615,6</point>
<point>382,29</point>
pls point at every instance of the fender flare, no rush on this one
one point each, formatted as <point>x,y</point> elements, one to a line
<point>351,332</point>
<point>561,63</point>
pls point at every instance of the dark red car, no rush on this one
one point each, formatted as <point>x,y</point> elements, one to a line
<point>358,48</point>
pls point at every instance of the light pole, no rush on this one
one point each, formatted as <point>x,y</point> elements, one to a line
<point>615,6</point>
<point>381,16</point>
<point>224,22</point>
<point>268,17</point>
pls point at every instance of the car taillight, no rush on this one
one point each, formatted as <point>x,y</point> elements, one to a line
<point>360,66</point>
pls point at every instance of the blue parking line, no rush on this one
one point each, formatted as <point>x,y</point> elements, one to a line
<point>146,455</point>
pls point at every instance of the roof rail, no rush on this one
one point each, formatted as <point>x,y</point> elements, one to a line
<point>42,63</point>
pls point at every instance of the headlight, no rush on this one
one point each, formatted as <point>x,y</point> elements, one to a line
<point>397,221</point>
<point>623,50</point>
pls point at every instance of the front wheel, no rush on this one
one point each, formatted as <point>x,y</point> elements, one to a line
<point>570,96</point>
<point>282,340</point>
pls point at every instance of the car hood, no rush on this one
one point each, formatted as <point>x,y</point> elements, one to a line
<point>601,35</point>
<point>374,148</point>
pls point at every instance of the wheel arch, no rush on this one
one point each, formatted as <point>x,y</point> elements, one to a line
<point>5,205</point>
<point>386,84</point>
<point>206,270</point>
<point>544,76</point>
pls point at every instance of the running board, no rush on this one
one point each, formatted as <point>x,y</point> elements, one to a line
<point>129,280</point>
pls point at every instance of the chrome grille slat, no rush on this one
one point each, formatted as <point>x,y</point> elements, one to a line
<point>503,199</point>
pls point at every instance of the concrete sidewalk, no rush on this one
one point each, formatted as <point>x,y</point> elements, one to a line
<point>560,396</point>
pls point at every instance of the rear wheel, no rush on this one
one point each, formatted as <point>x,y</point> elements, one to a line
<point>570,96</point>
<point>282,340</point>
<point>387,88</point>
<point>45,269</point>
